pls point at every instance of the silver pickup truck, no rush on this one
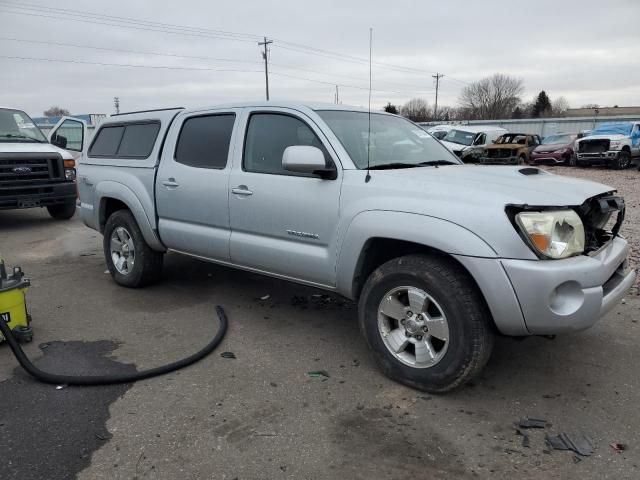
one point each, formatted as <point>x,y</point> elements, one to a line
<point>440,256</point>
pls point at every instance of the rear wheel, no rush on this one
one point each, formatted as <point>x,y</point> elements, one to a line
<point>131,262</point>
<point>62,212</point>
<point>426,322</point>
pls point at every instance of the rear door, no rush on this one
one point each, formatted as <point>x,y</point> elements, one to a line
<point>192,194</point>
<point>70,134</point>
<point>283,223</point>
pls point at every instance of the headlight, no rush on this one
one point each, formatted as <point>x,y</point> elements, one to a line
<point>615,145</point>
<point>70,173</point>
<point>553,234</point>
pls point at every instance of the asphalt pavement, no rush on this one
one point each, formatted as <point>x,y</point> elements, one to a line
<point>261,415</point>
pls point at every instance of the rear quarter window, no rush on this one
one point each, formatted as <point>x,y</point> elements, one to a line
<point>134,140</point>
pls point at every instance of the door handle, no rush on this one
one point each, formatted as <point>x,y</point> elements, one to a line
<point>170,183</point>
<point>241,190</point>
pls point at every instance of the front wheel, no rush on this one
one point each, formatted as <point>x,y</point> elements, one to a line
<point>426,322</point>
<point>62,212</point>
<point>522,160</point>
<point>131,262</point>
<point>573,160</point>
<point>623,161</point>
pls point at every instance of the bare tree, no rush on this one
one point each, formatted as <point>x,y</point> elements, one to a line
<point>492,97</point>
<point>559,107</point>
<point>56,112</point>
<point>417,110</point>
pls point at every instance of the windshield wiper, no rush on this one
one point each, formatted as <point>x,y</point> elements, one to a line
<point>436,163</point>
<point>388,166</point>
<point>13,135</point>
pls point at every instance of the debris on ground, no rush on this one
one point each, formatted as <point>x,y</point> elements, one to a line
<point>265,297</point>
<point>318,373</point>
<point>531,423</point>
<point>618,447</point>
<point>525,437</point>
<point>228,355</point>
<point>579,443</point>
<point>319,301</point>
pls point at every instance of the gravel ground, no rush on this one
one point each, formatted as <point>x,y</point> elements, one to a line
<point>626,182</point>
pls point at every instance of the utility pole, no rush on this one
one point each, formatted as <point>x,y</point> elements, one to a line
<point>116,104</point>
<point>337,95</point>
<point>265,56</point>
<point>437,76</point>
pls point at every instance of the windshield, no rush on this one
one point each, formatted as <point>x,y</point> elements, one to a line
<point>512,138</point>
<point>557,139</point>
<point>459,136</point>
<point>612,129</point>
<point>16,126</point>
<point>394,140</point>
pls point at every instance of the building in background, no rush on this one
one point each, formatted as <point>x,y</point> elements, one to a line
<point>47,123</point>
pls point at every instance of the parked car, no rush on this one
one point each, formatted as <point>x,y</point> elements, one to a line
<point>439,255</point>
<point>554,149</point>
<point>616,145</point>
<point>511,149</point>
<point>469,141</point>
<point>36,171</point>
<point>440,131</point>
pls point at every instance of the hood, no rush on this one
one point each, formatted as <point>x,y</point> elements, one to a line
<point>551,147</point>
<point>502,146</point>
<point>499,185</point>
<point>25,147</point>
<point>454,147</point>
<point>603,137</point>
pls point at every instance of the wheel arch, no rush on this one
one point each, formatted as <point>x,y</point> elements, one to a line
<point>113,196</point>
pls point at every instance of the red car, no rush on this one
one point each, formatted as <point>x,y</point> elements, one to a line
<point>554,149</point>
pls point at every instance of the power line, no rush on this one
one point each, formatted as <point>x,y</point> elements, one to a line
<point>195,31</point>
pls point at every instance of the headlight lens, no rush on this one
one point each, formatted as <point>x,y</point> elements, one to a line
<point>553,234</point>
<point>70,173</point>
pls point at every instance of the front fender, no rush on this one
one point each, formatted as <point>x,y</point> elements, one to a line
<point>118,191</point>
<point>432,232</point>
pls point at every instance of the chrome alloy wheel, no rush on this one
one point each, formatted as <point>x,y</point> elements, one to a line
<point>413,327</point>
<point>123,253</point>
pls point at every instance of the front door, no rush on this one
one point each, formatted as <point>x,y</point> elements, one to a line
<point>192,184</point>
<point>70,134</point>
<point>283,223</point>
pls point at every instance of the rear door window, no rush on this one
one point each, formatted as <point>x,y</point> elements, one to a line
<point>204,141</point>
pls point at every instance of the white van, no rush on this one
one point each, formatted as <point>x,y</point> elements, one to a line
<point>440,131</point>
<point>469,141</point>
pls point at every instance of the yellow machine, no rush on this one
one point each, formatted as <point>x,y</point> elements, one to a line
<point>13,307</point>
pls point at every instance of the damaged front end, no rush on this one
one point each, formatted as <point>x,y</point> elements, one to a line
<point>602,217</point>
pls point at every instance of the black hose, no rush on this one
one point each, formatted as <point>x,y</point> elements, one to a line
<point>47,377</point>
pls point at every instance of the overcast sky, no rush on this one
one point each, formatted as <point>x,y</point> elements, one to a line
<point>587,51</point>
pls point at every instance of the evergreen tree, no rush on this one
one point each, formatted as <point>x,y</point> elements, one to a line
<point>542,106</point>
<point>389,108</point>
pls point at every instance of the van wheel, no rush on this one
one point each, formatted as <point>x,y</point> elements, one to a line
<point>62,212</point>
<point>426,322</point>
<point>131,262</point>
<point>623,161</point>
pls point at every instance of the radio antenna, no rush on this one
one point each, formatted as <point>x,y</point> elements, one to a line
<point>368,177</point>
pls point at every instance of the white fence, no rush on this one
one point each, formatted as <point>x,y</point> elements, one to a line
<point>545,126</point>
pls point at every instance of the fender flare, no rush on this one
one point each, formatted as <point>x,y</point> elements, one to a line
<point>432,232</point>
<point>109,189</point>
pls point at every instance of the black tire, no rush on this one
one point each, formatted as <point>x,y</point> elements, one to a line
<point>471,331</point>
<point>623,161</point>
<point>147,267</point>
<point>62,212</point>
<point>572,161</point>
<point>522,160</point>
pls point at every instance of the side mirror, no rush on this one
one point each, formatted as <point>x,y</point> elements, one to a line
<point>309,160</point>
<point>59,141</point>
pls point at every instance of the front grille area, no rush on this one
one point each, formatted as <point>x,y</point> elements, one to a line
<point>20,170</point>
<point>500,153</point>
<point>594,146</point>
<point>602,217</point>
